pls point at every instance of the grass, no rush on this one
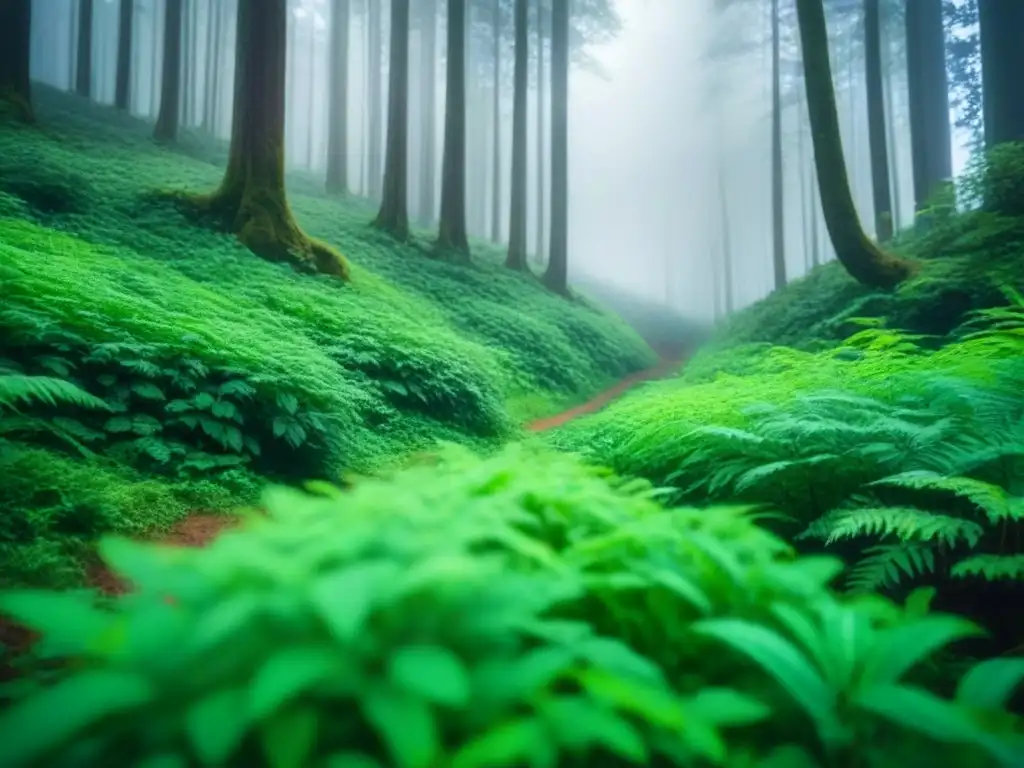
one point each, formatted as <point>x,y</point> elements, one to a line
<point>215,361</point>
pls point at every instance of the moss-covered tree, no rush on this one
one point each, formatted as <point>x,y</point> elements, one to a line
<point>125,28</point>
<point>169,117</point>
<point>337,113</point>
<point>556,276</point>
<point>865,262</point>
<point>451,234</point>
<point>83,67</point>
<point>516,258</point>
<point>15,52</point>
<point>393,216</point>
<point>251,199</point>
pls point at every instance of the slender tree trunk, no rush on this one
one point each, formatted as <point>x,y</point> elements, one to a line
<point>778,201</point>
<point>15,55</point>
<point>541,132</point>
<point>393,216</point>
<point>83,70</point>
<point>894,174</point>
<point>862,259</point>
<point>311,97</point>
<point>375,51</point>
<point>125,27</point>
<point>251,199</point>
<point>72,45</point>
<point>876,120</point>
<point>167,122</point>
<point>209,81</point>
<point>801,164</point>
<point>723,211</point>
<point>337,120</point>
<point>928,89</point>
<point>157,56</point>
<point>452,228</point>
<point>556,277</point>
<point>516,258</point>
<point>428,73</point>
<point>496,133</point>
<point>1002,66</point>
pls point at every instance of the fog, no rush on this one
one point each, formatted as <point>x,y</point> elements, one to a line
<point>677,103</point>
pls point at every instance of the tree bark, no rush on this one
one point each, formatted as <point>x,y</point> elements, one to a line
<point>209,84</point>
<point>251,199</point>
<point>1002,65</point>
<point>452,228</point>
<point>156,54</point>
<point>15,56</point>
<point>877,142</point>
<point>496,133</point>
<point>393,216</point>
<point>428,85</point>
<point>311,96</point>
<point>83,70</point>
<point>167,122</point>
<point>374,73</point>
<point>541,130</point>
<point>556,277</point>
<point>928,87</point>
<point>516,258</point>
<point>862,259</point>
<point>778,200</point>
<point>125,27</point>
<point>337,119</point>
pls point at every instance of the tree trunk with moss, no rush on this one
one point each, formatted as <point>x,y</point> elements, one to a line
<point>251,199</point>
<point>15,54</point>
<point>556,276</point>
<point>337,117</point>
<point>877,143</point>
<point>516,258</point>
<point>451,234</point>
<point>169,118</point>
<point>122,86</point>
<point>83,68</point>
<point>865,262</point>
<point>393,216</point>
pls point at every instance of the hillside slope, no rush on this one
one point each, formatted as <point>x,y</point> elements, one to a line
<point>215,365</point>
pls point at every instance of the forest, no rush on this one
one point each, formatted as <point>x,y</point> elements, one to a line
<point>512,383</point>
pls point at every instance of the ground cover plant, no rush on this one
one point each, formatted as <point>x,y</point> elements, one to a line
<point>523,609</point>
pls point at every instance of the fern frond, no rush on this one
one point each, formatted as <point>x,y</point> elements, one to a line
<point>884,566</point>
<point>990,499</point>
<point>991,567</point>
<point>906,523</point>
<point>17,388</point>
<point>771,471</point>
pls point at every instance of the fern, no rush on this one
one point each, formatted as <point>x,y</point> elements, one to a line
<point>885,566</point>
<point>20,389</point>
<point>991,567</point>
<point>906,523</point>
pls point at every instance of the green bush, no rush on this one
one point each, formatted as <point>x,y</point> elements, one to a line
<point>516,610</point>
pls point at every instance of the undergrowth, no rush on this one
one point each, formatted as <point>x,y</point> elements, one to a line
<point>515,610</point>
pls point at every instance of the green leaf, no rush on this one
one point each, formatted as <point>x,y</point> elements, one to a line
<point>898,649</point>
<point>989,685</point>
<point>405,724</point>
<point>58,715</point>
<point>224,409</point>
<point>433,672</point>
<point>289,738</point>
<point>288,402</point>
<point>726,707</point>
<point>216,725</point>
<point>508,745</point>
<point>350,760</point>
<point>147,390</point>
<point>286,674</point>
<point>921,711</point>
<point>780,659</point>
<point>580,723</point>
<point>203,401</point>
<point>345,598</point>
<point>68,621</point>
<point>118,424</point>
<point>616,656</point>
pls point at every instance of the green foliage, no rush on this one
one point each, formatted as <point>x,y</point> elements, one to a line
<point>515,610</point>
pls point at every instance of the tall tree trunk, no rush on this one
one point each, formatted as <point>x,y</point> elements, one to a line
<point>428,85</point>
<point>778,201</point>
<point>375,50</point>
<point>394,216</point>
<point>83,70</point>
<point>541,131</point>
<point>726,224</point>
<point>209,123</point>
<point>251,199</point>
<point>157,55</point>
<point>452,228</point>
<point>496,133</point>
<point>1002,65</point>
<point>928,87</point>
<point>125,27</point>
<point>801,118</point>
<point>167,123</point>
<point>516,258</point>
<point>337,98</point>
<point>876,120</point>
<point>556,277</point>
<point>814,215</point>
<point>15,55</point>
<point>862,259</point>
<point>311,96</point>
<point>72,45</point>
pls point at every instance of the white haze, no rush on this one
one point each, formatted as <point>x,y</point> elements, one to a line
<point>644,143</point>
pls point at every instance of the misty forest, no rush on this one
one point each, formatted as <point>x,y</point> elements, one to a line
<point>512,383</point>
